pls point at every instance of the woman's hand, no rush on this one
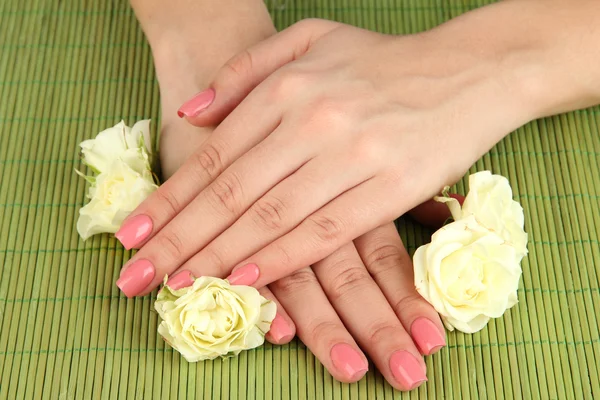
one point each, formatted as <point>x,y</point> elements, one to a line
<point>362,298</point>
<point>346,130</point>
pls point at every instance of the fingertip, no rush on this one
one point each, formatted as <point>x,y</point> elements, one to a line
<point>282,330</point>
<point>427,335</point>
<point>197,104</point>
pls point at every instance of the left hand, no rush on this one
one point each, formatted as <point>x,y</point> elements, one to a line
<point>346,130</point>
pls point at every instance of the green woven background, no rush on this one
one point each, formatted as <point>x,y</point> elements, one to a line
<point>71,68</point>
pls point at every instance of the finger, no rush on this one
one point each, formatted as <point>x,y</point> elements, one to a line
<point>369,318</point>
<point>339,222</point>
<point>282,328</point>
<point>433,214</point>
<point>246,70</point>
<point>202,167</point>
<point>274,214</point>
<point>390,266</point>
<point>217,207</point>
<point>319,327</point>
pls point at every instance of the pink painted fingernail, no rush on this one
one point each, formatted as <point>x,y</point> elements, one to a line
<point>246,275</point>
<point>136,277</point>
<point>346,359</point>
<point>197,104</point>
<point>134,231</point>
<point>427,336</point>
<point>407,370</point>
<point>280,330</point>
<point>180,280</point>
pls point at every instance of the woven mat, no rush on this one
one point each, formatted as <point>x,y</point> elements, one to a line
<point>69,69</point>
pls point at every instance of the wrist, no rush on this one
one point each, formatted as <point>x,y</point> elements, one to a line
<point>543,53</point>
<point>213,31</point>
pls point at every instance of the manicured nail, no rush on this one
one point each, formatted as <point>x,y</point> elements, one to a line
<point>180,280</point>
<point>134,231</point>
<point>427,336</point>
<point>281,330</point>
<point>349,361</point>
<point>197,104</point>
<point>246,275</point>
<point>136,277</point>
<point>407,370</point>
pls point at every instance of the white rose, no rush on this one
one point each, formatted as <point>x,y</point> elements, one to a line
<point>490,201</point>
<point>120,141</point>
<point>468,273</point>
<point>213,319</point>
<point>113,195</point>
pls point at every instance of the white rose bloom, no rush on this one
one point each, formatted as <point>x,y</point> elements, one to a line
<point>114,194</point>
<point>490,201</point>
<point>120,141</point>
<point>213,319</point>
<point>468,273</point>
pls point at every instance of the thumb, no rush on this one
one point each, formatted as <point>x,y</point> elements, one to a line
<point>433,214</point>
<point>249,68</point>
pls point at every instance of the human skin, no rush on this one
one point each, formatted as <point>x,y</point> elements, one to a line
<point>338,130</point>
<point>362,294</point>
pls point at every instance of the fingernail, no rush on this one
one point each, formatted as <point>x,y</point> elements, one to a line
<point>407,370</point>
<point>427,336</point>
<point>280,330</point>
<point>180,280</point>
<point>136,277</point>
<point>197,104</point>
<point>346,359</point>
<point>246,275</point>
<point>134,231</point>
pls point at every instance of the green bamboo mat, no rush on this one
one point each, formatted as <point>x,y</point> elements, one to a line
<point>71,68</point>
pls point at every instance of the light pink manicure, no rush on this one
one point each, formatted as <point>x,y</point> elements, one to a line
<point>349,361</point>
<point>427,336</point>
<point>280,330</point>
<point>136,277</point>
<point>134,231</point>
<point>246,275</point>
<point>197,104</point>
<point>180,280</point>
<point>407,370</point>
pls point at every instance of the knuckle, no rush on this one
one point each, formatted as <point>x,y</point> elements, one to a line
<point>169,243</point>
<point>348,281</point>
<point>328,112</point>
<point>384,259</point>
<point>240,65</point>
<point>268,213</point>
<point>381,331</point>
<point>368,150</point>
<point>226,193</point>
<point>208,162</point>
<point>288,83</point>
<point>321,328</point>
<point>214,259</point>
<point>296,282</point>
<point>327,229</point>
<point>410,301</point>
<point>168,200</point>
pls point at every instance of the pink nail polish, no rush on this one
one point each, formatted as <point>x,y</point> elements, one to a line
<point>136,277</point>
<point>134,231</point>
<point>427,336</point>
<point>347,360</point>
<point>197,104</point>
<point>246,275</point>
<point>180,280</point>
<point>407,370</point>
<point>280,330</point>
